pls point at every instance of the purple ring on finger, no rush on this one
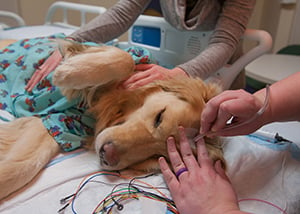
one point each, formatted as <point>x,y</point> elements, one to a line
<point>180,171</point>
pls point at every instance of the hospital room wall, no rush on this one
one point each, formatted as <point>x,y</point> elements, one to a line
<point>25,9</point>
<point>278,17</point>
<point>33,11</point>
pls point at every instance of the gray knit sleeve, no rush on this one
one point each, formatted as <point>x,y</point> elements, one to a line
<point>113,23</point>
<point>225,39</point>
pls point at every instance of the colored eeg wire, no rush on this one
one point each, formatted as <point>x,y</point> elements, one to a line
<point>115,198</point>
<point>265,202</point>
<point>131,192</point>
<point>231,126</point>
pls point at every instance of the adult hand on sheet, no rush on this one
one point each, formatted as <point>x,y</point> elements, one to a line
<point>204,187</point>
<point>147,73</point>
<point>237,105</point>
<point>49,65</point>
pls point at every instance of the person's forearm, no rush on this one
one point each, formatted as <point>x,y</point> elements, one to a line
<point>113,23</point>
<point>284,101</point>
<point>209,61</point>
<point>224,41</point>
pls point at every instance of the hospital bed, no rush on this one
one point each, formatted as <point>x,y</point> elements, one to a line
<point>55,22</point>
<point>264,172</point>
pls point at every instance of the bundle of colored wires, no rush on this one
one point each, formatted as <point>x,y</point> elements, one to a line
<point>127,193</point>
<point>120,193</point>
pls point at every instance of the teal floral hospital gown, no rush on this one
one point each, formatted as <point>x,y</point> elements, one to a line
<point>67,121</point>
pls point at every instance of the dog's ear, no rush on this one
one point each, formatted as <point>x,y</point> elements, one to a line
<point>115,106</point>
<point>212,90</point>
<point>192,90</point>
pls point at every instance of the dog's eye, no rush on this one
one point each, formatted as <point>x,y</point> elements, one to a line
<point>158,118</point>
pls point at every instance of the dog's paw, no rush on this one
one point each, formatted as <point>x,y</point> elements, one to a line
<point>95,66</point>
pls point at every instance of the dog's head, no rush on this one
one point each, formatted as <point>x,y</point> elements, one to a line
<point>133,126</point>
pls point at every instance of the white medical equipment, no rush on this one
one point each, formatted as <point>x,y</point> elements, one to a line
<point>51,26</point>
<point>171,47</point>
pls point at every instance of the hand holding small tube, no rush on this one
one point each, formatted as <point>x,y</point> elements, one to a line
<point>242,108</point>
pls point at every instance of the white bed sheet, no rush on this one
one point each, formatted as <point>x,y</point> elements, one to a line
<point>265,176</point>
<point>32,32</point>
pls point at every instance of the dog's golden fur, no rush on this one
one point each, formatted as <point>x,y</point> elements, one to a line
<point>132,125</point>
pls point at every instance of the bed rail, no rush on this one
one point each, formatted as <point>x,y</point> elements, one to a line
<point>226,75</point>
<point>53,24</point>
<point>10,16</point>
<point>66,7</point>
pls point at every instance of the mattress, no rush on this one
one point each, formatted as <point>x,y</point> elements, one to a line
<point>265,175</point>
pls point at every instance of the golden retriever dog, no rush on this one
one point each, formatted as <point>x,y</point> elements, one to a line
<point>131,126</point>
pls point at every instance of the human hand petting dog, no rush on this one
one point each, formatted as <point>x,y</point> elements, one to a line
<point>147,73</point>
<point>49,65</point>
<point>198,185</point>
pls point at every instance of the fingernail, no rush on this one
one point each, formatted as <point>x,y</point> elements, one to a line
<point>180,129</point>
<point>171,144</point>
<point>170,139</point>
<point>201,130</point>
<point>213,129</point>
<point>200,141</point>
<point>130,86</point>
<point>160,159</point>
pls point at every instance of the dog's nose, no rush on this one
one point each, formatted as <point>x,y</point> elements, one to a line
<point>108,154</point>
